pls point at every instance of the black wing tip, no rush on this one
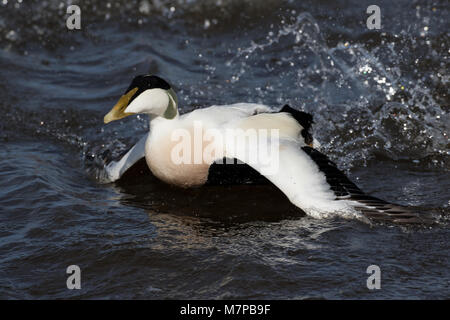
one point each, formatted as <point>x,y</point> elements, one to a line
<point>371,207</point>
<point>378,210</point>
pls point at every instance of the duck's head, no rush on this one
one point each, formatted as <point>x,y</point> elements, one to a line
<point>146,94</point>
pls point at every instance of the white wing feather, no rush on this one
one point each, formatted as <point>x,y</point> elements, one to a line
<point>219,115</point>
<point>116,169</point>
<point>299,178</point>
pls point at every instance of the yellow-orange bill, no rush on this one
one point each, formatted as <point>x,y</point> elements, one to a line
<point>117,112</point>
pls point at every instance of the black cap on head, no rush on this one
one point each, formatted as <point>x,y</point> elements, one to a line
<point>145,82</point>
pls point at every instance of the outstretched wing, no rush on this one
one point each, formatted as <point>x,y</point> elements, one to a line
<point>371,207</point>
<point>116,169</point>
<point>314,184</point>
<point>291,170</point>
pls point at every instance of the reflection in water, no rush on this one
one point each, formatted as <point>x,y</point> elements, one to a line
<point>226,204</point>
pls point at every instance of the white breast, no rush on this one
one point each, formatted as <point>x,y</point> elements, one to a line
<point>164,161</point>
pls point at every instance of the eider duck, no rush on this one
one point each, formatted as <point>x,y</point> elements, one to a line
<point>201,147</point>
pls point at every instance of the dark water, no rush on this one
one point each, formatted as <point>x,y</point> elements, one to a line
<point>381,108</point>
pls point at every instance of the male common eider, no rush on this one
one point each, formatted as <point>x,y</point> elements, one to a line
<point>193,149</point>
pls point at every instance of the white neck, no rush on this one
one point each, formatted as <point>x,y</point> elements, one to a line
<point>155,121</point>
